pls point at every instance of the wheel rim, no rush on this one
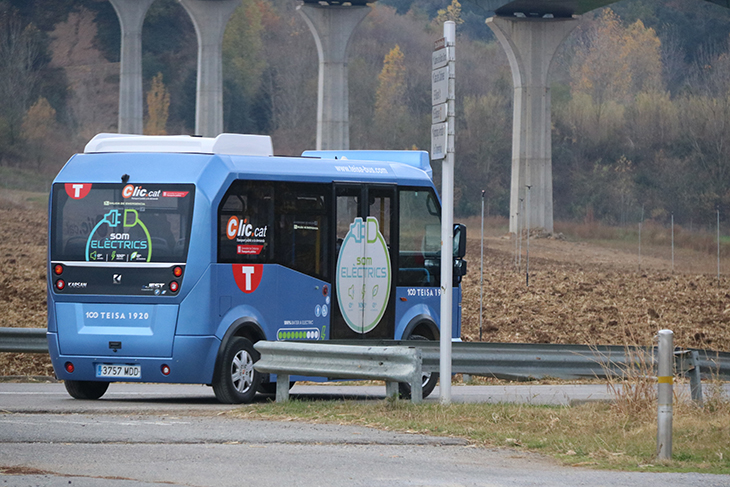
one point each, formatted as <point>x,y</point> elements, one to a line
<point>425,378</point>
<point>242,371</point>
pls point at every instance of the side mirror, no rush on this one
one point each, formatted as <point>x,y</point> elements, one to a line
<point>459,241</point>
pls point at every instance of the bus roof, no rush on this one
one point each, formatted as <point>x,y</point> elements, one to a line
<point>242,145</point>
<point>413,158</point>
<point>213,163</point>
<point>231,144</point>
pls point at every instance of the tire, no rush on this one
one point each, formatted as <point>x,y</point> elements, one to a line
<point>269,388</point>
<point>235,380</point>
<point>430,379</point>
<point>82,389</point>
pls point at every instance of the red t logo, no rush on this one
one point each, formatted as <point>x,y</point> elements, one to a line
<point>77,190</point>
<point>248,276</point>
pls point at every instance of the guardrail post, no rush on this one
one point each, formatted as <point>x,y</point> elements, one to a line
<point>687,363</point>
<point>417,379</point>
<point>665,377</point>
<point>695,378</point>
<point>282,387</point>
<point>391,390</point>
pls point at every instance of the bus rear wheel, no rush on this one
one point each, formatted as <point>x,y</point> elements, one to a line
<point>84,389</point>
<point>236,381</point>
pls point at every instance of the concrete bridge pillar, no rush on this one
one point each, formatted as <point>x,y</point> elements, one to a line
<point>209,18</point>
<point>530,45</point>
<point>332,27</point>
<point>131,15</point>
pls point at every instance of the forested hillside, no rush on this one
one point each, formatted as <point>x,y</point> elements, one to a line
<point>641,95</point>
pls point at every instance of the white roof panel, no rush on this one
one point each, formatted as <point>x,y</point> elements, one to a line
<point>230,144</point>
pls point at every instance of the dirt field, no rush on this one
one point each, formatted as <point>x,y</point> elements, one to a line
<point>585,294</point>
<point>578,293</point>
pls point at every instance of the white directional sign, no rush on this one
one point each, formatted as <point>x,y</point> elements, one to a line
<point>439,85</point>
<point>439,136</point>
<point>439,113</point>
<point>439,59</point>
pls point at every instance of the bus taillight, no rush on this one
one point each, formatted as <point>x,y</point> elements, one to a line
<point>165,369</point>
<point>174,286</point>
<point>177,271</point>
<point>58,269</point>
<point>60,284</point>
<point>69,367</point>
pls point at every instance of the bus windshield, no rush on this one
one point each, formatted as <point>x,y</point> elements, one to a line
<point>135,223</point>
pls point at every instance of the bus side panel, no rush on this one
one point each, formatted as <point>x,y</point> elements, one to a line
<point>247,291</point>
<point>305,307</point>
<point>418,301</point>
<point>194,359</point>
<point>196,315</point>
<point>286,304</point>
<point>425,301</point>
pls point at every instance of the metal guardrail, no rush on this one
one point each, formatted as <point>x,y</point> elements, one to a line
<point>513,361</point>
<point>519,361</point>
<point>23,340</point>
<point>318,359</point>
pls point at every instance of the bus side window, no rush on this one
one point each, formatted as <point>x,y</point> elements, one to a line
<point>420,239</point>
<point>245,221</point>
<point>302,229</point>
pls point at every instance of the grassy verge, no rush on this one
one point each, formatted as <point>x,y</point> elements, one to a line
<point>596,435</point>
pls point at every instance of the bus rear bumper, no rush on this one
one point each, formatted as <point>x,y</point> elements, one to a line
<point>199,351</point>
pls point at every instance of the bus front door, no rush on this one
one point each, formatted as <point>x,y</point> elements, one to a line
<point>363,288</point>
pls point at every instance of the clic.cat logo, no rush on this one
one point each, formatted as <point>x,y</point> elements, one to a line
<point>138,192</point>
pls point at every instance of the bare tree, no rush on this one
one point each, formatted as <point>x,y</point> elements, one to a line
<point>20,51</point>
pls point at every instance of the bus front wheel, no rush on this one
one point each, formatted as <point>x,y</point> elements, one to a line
<point>84,389</point>
<point>429,379</point>
<point>236,381</point>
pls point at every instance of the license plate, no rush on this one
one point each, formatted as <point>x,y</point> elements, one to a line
<point>122,371</point>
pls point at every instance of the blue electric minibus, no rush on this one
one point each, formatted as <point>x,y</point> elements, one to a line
<point>170,256</point>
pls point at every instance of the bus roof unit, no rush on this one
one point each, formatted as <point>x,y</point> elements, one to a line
<point>229,144</point>
<point>418,159</point>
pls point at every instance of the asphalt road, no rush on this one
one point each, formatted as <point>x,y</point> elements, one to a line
<point>152,435</point>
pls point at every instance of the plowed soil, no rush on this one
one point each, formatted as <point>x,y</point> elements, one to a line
<point>578,293</point>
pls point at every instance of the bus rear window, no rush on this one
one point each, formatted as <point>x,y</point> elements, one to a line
<point>121,223</point>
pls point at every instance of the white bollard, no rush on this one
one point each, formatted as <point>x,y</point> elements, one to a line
<point>665,378</point>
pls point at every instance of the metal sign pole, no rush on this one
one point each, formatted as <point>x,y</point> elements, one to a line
<point>481,276</point>
<point>442,146</point>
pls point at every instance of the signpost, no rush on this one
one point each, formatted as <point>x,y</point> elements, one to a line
<point>442,148</point>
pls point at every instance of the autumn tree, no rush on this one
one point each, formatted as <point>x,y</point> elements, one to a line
<point>243,65</point>
<point>39,130</point>
<point>158,107</point>
<point>391,84</point>
<point>653,120</point>
<point>612,64</point>
<point>391,112</point>
<point>706,132</point>
<point>642,54</point>
<point>452,12</point>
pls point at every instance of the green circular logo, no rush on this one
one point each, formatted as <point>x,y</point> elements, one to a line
<point>363,275</point>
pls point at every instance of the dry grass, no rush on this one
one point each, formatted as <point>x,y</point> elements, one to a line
<point>598,435</point>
